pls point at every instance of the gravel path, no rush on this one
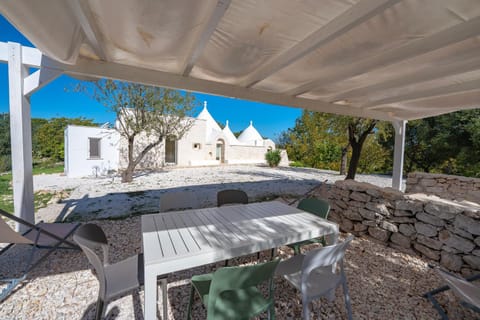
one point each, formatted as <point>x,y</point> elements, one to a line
<point>108,197</point>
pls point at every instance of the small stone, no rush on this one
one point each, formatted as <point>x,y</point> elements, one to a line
<point>402,220</point>
<point>379,234</point>
<point>359,227</point>
<point>346,225</point>
<point>413,206</point>
<point>451,261</point>
<point>400,239</point>
<point>468,224</point>
<point>427,182</point>
<point>407,229</point>
<point>360,196</point>
<point>454,241</point>
<point>379,208</point>
<point>388,226</point>
<point>402,213</point>
<point>429,242</point>
<point>451,250</point>
<point>357,204</point>
<point>432,254</point>
<point>430,219</point>
<point>369,223</point>
<point>473,261</point>
<point>352,215</point>
<point>367,214</point>
<point>426,229</point>
<point>477,241</point>
<point>443,210</point>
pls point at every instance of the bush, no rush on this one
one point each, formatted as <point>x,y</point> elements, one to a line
<point>5,163</point>
<point>273,157</point>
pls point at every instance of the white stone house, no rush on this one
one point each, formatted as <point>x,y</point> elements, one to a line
<point>91,151</point>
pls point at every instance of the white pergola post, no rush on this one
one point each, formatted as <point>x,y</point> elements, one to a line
<point>21,136</point>
<point>398,153</point>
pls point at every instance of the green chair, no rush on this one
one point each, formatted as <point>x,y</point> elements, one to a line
<point>232,293</point>
<point>318,207</point>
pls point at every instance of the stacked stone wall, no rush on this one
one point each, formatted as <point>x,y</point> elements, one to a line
<point>442,230</point>
<point>444,186</point>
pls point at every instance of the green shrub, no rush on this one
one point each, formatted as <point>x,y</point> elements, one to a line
<point>273,157</point>
<point>5,163</point>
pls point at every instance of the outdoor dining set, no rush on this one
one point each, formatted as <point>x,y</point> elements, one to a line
<point>182,237</point>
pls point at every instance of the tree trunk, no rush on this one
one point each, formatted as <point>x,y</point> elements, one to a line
<point>352,169</point>
<point>343,162</point>
<point>127,175</point>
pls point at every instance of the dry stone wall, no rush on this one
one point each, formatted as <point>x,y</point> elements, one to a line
<point>444,186</point>
<point>442,230</point>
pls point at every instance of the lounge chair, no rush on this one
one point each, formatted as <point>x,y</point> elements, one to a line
<point>49,236</point>
<point>467,291</point>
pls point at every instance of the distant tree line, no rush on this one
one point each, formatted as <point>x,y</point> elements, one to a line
<point>448,143</point>
<point>47,139</point>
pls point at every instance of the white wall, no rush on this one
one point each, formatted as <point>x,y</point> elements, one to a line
<point>77,161</point>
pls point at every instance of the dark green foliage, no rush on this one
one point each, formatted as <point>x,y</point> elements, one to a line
<point>273,157</point>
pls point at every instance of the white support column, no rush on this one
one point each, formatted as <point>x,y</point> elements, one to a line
<point>398,153</point>
<point>21,136</point>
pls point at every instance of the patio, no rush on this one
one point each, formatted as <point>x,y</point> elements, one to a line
<point>384,283</point>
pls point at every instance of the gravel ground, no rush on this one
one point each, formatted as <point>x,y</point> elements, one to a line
<point>107,197</point>
<point>383,282</point>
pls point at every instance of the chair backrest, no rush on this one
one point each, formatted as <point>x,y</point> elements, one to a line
<point>91,238</point>
<point>231,196</point>
<point>178,200</point>
<point>316,206</point>
<point>8,235</point>
<point>239,277</point>
<point>323,257</point>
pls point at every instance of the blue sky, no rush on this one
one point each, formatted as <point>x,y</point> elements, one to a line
<point>57,100</point>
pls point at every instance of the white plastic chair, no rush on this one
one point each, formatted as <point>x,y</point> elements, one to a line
<point>315,274</point>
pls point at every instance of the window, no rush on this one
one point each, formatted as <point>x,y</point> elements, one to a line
<point>94,148</point>
<point>196,146</point>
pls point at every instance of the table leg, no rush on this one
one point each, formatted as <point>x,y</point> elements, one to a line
<point>150,289</point>
<point>163,284</point>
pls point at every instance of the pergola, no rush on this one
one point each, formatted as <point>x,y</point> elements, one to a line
<point>393,60</point>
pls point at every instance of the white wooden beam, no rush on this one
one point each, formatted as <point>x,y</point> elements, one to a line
<point>21,137</point>
<point>84,17</point>
<point>412,79</point>
<point>455,34</point>
<point>398,153</point>
<point>99,69</point>
<point>205,34</point>
<point>38,79</point>
<point>340,25</point>
<point>473,85</point>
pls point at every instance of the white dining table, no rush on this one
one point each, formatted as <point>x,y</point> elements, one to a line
<point>179,240</point>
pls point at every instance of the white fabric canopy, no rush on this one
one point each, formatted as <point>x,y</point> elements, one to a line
<point>385,59</point>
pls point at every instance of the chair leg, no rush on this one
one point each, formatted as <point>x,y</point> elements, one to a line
<point>347,299</point>
<point>99,310</point>
<point>305,311</point>
<point>164,284</point>
<point>190,303</point>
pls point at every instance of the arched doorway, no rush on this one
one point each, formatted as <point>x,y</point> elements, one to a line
<point>220,151</point>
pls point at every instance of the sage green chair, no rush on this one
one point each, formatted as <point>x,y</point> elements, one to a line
<point>318,207</point>
<point>231,293</point>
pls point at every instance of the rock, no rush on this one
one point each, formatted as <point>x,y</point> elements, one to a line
<point>459,232</point>
<point>407,229</point>
<point>454,241</point>
<point>429,242</point>
<point>451,261</point>
<point>432,254</point>
<point>477,241</point>
<point>369,223</point>
<point>356,204</point>
<point>473,261</point>
<point>402,220</point>
<point>413,206</point>
<point>426,229</point>
<point>434,190</point>
<point>359,227</point>
<point>388,226</point>
<point>367,214</point>
<point>360,196</point>
<point>451,250</point>
<point>430,219</point>
<point>392,194</point>
<point>402,213</point>
<point>374,192</point>
<point>401,240</point>
<point>476,252</point>
<point>379,234</point>
<point>346,225</point>
<point>341,204</point>
<point>352,215</point>
<point>379,208</point>
<point>427,182</point>
<point>445,210</point>
<point>467,224</point>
